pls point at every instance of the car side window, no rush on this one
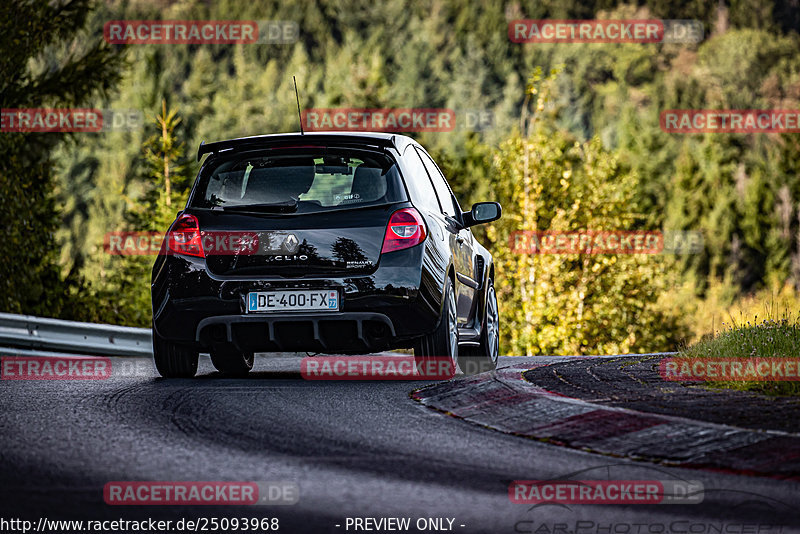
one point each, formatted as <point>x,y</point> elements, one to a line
<point>419,184</point>
<point>440,184</point>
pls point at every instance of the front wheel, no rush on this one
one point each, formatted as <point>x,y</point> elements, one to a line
<point>173,360</point>
<point>484,357</point>
<point>437,353</point>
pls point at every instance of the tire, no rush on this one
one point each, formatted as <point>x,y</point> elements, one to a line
<point>484,357</point>
<point>442,344</point>
<point>231,362</point>
<point>173,360</point>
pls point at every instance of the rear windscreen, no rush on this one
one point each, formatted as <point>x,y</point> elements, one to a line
<point>298,181</point>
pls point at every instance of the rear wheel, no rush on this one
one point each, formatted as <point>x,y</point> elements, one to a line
<point>441,346</point>
<point>482,358</point>
<point>173,360</point>
<point>231,362</point>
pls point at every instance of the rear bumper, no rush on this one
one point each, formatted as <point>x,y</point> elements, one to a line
<point>336,332</point>
<point>387,309</point>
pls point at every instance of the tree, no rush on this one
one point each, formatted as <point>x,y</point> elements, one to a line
<point>573,303</point>
<point>125,295</point>
<point>79,68</point>
<point>164,159</point>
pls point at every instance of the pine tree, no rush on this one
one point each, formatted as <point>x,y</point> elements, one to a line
<point>79,68</point>
<point>126,294</point>
<point>165,170</point>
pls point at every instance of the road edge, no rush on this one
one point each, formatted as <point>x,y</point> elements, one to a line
<point>505,401</point>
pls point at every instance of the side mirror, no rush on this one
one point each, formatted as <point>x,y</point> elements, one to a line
<point>483,212</point>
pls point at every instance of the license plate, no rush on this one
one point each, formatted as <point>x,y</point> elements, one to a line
<point>293,300</point>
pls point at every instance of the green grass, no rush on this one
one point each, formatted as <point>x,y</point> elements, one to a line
<point>770,338</point>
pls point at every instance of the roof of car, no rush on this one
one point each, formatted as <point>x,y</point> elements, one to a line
<point>380,139</point>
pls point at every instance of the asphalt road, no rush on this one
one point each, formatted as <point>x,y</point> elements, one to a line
<point>354,449</point>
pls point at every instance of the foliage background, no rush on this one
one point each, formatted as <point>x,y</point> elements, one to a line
<point>575,144</point>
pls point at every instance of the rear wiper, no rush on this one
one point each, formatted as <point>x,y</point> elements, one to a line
<point>278,207</point>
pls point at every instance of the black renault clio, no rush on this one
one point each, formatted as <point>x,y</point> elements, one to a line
<point>344,243</point>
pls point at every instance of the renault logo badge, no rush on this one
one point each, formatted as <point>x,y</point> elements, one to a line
<point>291,243</point>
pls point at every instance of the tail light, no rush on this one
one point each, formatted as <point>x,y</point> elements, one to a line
<point>406,229</point>
<point>184,237</point>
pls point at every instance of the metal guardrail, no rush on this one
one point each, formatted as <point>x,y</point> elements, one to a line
<point>46,334</point>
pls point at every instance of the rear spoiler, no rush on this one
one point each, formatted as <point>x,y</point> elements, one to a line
<point>278,140</point>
